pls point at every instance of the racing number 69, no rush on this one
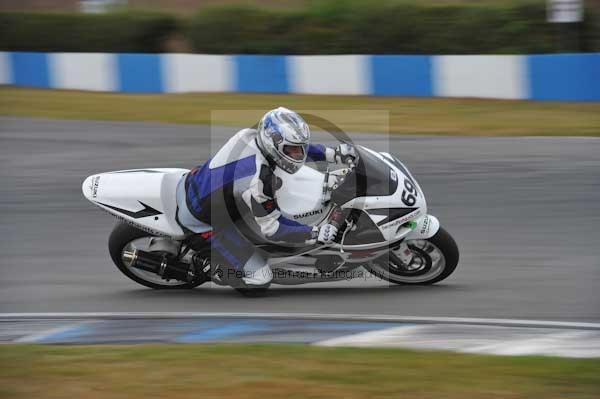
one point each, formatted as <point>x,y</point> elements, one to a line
<point>409,195</point>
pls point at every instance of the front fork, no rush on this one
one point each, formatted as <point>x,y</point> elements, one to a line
<point>424,227</point>
<point>403,253</point>
<point>406,258</point>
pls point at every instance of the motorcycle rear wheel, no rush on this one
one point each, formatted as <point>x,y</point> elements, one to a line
<point>436,259</point>
<point>126,237</point>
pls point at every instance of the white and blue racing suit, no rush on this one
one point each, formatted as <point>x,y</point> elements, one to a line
<point>239,185</point>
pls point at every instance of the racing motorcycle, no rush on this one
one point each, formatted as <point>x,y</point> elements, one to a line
<point>380,209</point>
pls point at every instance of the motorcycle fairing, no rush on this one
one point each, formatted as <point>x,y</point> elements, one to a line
<point>381,214</point>
<point>144,198</point>
<point>390,212</point>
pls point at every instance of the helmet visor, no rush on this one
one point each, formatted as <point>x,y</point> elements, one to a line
<point>295,152</point>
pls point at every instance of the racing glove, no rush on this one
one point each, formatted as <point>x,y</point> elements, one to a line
<point>324,234</point>
<point>342,154</point>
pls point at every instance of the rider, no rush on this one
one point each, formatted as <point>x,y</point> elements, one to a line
<point>238,187</point>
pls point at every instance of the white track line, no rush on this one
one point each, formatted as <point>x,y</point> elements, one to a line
<point>376,338</point>
<point>567,343</point>
<point>308,316</point>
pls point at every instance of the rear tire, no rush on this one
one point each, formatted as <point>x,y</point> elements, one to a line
<point>442,242</point>
<point>122,235</point>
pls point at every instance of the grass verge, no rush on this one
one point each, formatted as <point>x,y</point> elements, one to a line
<point>290,371</point>
<point>407,115</point>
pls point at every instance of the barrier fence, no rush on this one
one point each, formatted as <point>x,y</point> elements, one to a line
<point>565,77</point>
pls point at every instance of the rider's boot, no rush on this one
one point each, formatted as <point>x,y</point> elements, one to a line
<point>256,278</point>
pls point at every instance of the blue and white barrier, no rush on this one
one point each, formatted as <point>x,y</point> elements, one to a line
<point>567,77</point>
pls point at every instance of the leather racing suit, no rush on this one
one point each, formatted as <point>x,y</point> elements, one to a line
<point>238,185</point>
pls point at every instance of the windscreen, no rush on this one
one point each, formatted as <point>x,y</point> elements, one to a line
<point>371,177</point>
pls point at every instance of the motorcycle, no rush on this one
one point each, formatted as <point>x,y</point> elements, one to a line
<point>380,209</point>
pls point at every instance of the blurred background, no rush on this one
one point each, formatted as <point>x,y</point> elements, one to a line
<point>494,105</point>
<point>319,26</point>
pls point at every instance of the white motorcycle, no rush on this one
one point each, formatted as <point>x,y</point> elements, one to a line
<point>378,205</point>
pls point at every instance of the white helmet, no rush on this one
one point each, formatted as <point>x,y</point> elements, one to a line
<point>283,136</point>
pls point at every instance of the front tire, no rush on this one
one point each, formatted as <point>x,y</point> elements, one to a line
<point>126,236</point>
<point>438,258</point>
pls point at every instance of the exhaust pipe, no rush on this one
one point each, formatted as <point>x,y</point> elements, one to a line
<point>159,264</point>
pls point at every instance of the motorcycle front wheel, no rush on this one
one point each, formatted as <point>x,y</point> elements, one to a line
<point>434,260</point>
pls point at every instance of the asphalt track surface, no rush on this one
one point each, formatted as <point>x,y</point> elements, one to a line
<point>525,213</point>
